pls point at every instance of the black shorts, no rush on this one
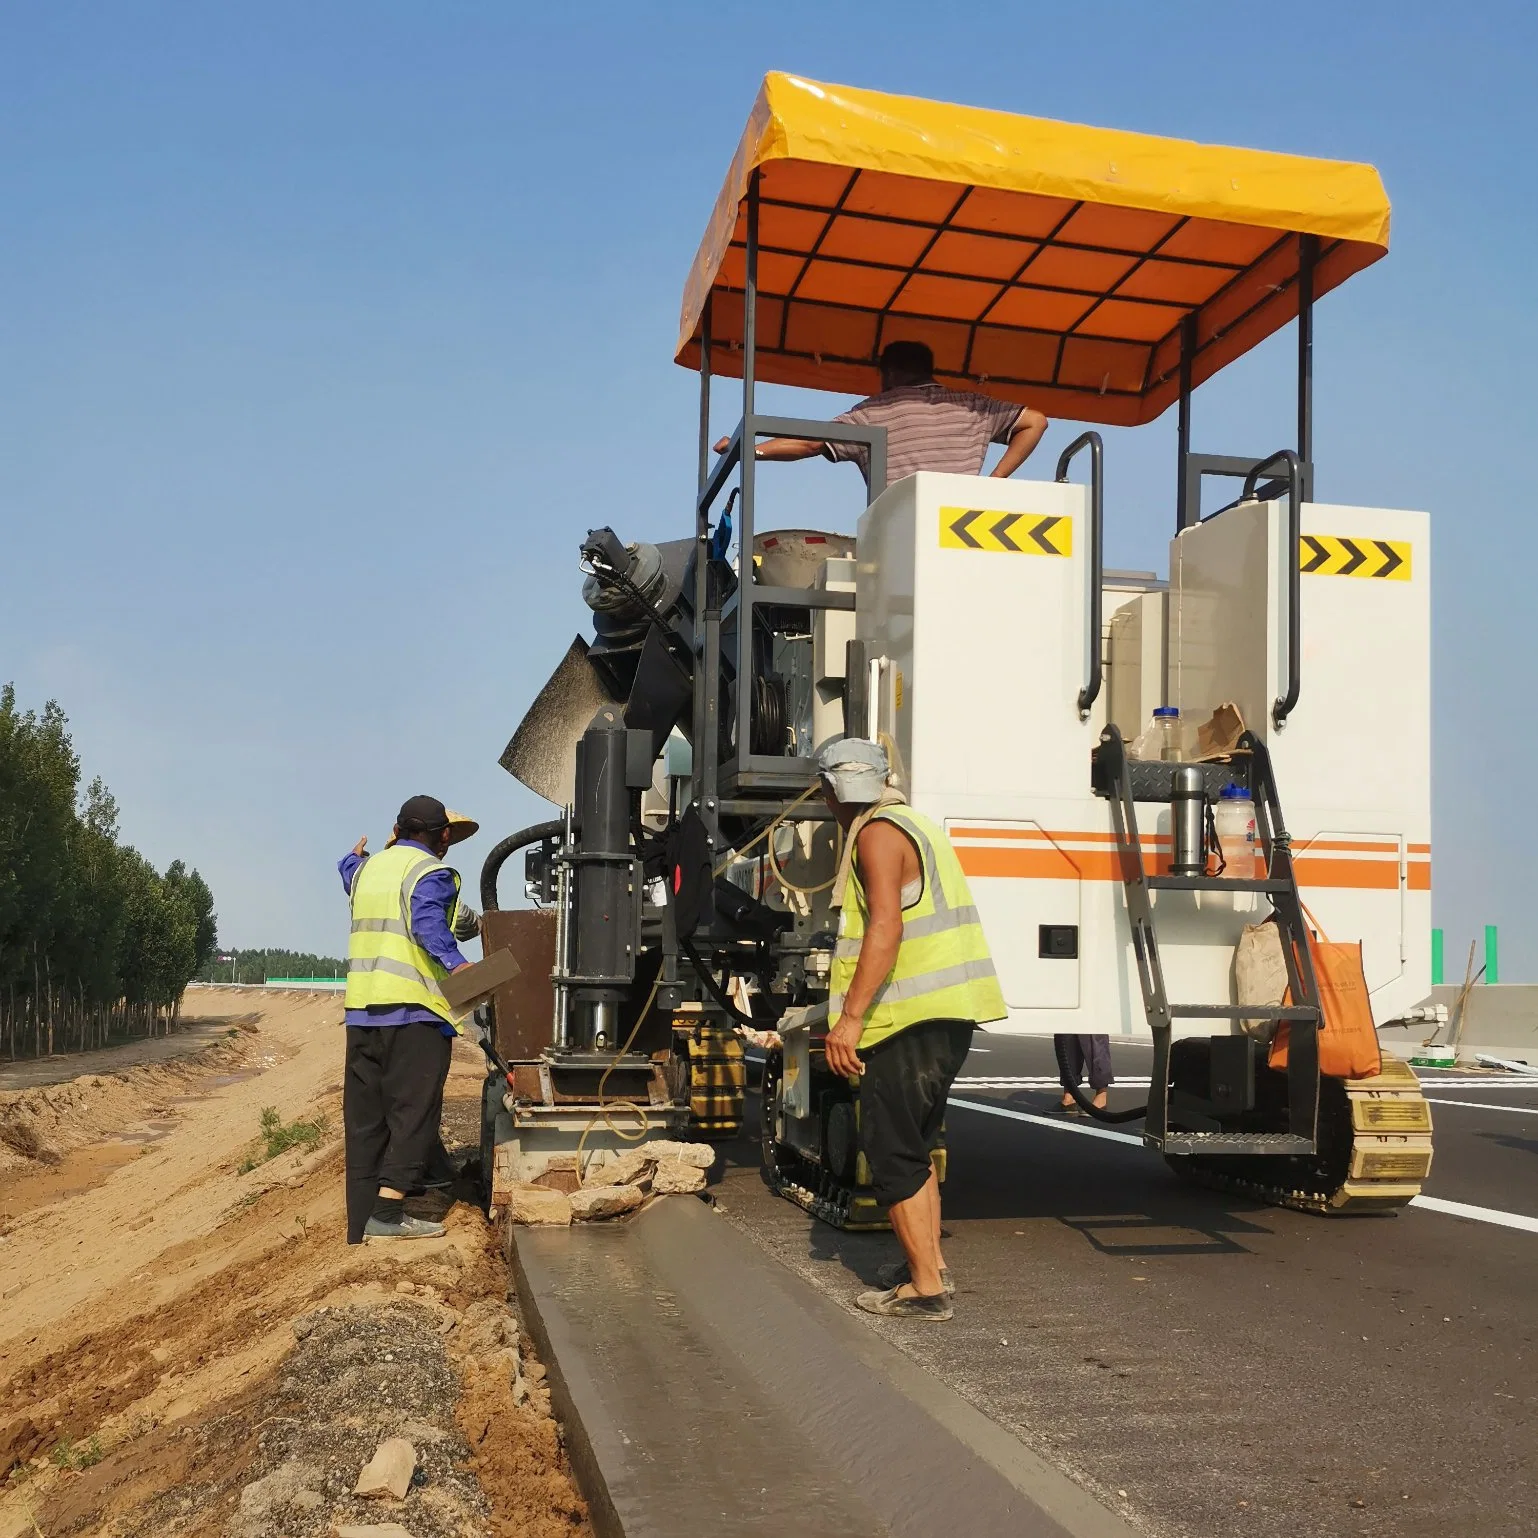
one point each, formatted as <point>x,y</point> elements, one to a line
<point>902,1102</point>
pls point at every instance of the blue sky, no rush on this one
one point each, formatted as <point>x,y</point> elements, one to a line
<point>327,329</point>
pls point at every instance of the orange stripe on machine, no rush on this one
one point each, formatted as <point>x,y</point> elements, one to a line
<point>1059,863</point>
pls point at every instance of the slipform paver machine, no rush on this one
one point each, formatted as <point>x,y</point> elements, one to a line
<point>1100,276</point>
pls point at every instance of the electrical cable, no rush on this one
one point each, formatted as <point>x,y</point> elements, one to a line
<point>615,578</point>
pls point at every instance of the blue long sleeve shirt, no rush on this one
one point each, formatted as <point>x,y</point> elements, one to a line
<point>432,904</point>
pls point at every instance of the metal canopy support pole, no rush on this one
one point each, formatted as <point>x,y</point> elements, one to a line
<point>704,399</point>
<point>744,679</point>
<point>1188,503</point>
<point>1308,256</point>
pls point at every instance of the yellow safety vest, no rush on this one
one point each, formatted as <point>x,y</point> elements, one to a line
<point>385,965</point>
<point>943,969</point>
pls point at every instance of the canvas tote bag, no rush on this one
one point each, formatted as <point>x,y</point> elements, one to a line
<point>1348,1040</point>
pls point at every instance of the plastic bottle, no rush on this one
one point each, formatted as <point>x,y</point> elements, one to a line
<point>1167,740</point>
<point>1238,837</point>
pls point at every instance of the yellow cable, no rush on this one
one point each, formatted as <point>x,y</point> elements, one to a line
<point>604,1107</point>
<point>737,854</point>
<point>806,891</point>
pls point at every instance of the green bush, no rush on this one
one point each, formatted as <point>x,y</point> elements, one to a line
<point>278,1136</point>
<point>73,1455</point>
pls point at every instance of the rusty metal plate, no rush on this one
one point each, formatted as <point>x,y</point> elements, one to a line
<point>524,1005</point>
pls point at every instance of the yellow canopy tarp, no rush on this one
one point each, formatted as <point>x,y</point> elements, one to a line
<point>1045,262</point>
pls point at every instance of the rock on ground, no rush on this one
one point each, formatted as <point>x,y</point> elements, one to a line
<point>606,1201</point>
<point>537,1205</point>
<point>370,1530</point>
<point>389,1471</point>
<point>282,1487</point>
<point>626,1169</point>
<point>675,1178</point>
<point>700,1155</point>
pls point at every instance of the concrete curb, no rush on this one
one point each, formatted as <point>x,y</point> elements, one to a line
<point>707,1391</point>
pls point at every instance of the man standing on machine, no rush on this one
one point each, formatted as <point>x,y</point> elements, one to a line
<point>928,427</point>
<point>912,978</point>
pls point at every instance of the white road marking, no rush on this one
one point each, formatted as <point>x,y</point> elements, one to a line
<point>1047,1121</point>
<point>1050,1081</point>
<point>1003,1081</point>
<point>1478,1214</point>
<point>1475,1081</point>
<point>1430,1203</point>
<point>1479,1105</point>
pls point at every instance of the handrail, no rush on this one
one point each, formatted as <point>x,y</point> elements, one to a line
<point>1092,441</point>
<point>1282,707</point>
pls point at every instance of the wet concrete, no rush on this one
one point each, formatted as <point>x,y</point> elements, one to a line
<point>707,1390</point>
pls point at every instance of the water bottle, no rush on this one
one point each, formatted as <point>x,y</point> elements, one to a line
<point>1238,838</point>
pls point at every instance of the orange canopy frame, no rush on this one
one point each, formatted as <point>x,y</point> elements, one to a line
<point>1069,268</point>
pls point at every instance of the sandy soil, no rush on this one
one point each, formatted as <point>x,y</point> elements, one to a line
<point>187,1348</point>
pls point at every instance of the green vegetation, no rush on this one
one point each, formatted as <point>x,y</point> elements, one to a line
<point>94,941</point>
<point>77,1455</point>
<point>253,966</point>
<point>279,1136</point>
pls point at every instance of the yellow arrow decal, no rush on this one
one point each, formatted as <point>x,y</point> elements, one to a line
<point>1340,555</point>
<point>996,532</point>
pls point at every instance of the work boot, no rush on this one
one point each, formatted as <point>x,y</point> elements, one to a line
<point>407,1227</point>
<point>889,1306</point>
<point>895,1272</point>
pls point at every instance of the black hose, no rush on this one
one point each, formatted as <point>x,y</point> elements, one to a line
<point>1082,1100</point>
<point>716,992</point>
<point>510,846</point>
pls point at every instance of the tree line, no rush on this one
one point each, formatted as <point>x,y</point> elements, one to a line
<point>256,966</point>
<point>95,943</point>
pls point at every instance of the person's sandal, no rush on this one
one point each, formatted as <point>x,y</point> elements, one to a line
<point>889,1306</point>
<point>895,1272</point>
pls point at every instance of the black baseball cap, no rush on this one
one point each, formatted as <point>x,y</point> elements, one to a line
<point>422,814</point>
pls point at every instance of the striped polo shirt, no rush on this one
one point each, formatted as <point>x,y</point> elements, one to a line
<point>929,428</point>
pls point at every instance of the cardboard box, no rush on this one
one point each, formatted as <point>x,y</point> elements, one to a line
<point>480,979</point>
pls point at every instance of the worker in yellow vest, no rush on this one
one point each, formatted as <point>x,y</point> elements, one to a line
<point>400,1028</point>
<point>912,978</point>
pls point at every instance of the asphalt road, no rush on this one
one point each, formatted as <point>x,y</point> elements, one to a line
<point>1210,1366</point>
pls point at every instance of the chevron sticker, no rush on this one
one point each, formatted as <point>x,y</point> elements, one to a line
<point>999,533</point>
<point>1337,555</point>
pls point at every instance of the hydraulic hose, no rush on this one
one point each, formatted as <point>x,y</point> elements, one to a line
<point>712,986</point>
<point>537,834</point>
<point>1082,1100</point>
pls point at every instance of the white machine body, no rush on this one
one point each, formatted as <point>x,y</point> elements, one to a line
<point>972,594</point>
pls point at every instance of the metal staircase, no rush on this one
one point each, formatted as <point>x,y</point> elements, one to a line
<point>1219,1117</point>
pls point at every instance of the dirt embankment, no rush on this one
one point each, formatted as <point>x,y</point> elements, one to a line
<point>190,1348</point>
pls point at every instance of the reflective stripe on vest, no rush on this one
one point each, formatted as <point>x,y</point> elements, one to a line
<point>385,965</point>
<point>943,969</point>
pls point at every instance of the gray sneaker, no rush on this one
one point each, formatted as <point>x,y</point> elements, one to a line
<point>408,1228</point>
<point>889,1306</point>
<point>895,1272</point>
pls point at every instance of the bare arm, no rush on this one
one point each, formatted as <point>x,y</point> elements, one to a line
<point>779,448</point>
<point>885,857</point>
<point>1029,427</point>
